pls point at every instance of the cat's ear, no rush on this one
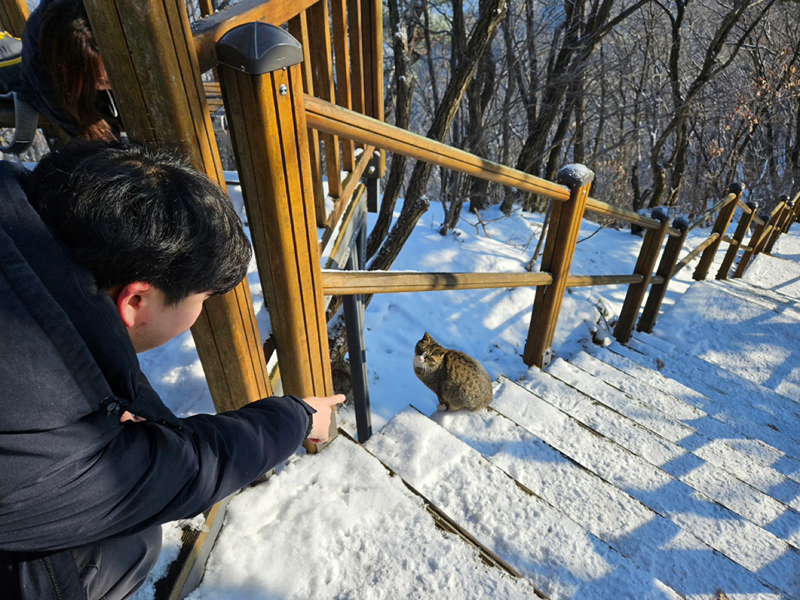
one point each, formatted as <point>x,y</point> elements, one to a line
<point>427,337</point>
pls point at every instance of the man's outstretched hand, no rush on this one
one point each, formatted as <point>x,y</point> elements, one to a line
<point>320,430</point>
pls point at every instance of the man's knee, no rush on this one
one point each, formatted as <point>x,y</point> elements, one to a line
<point>115,569</point>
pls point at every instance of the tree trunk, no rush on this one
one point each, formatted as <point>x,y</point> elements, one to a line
<point>397,172</point>
<point>415,202</point>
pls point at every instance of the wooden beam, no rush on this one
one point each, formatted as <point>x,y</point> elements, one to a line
<point>695,253</point>
<point>152,65</point>
<point>327,117</point>
<point>648,255</point>
<point>269,134</point>
<point>665,272</point>
<point>344,95</point>
<point>562,236</point>
<point>721,225</point>
<point>736,243</point>
<point>322,60</point>
<point>750,250</point>
<point>13,16</point>
<point>786,213</point>
<point>341,283</point>
<point>298,27</point>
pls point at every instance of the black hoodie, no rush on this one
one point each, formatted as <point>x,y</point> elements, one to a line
<point>70,472</point>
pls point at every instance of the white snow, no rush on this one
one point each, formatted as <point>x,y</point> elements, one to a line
<point>651,488</point>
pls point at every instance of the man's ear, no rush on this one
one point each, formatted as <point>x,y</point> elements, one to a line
<point>132,302</point>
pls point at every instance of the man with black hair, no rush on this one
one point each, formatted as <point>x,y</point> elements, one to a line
<point>108,250</point>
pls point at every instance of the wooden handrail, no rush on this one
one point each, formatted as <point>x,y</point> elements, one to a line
<point>208,30</point>
<point>329,118</point>
<point>716,208</point>
<point>335,282</point>
<point>343,283</point>
<point>693,254</point>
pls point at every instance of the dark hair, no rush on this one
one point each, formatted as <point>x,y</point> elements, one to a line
<point>70,56</point>
<point>130,214</point>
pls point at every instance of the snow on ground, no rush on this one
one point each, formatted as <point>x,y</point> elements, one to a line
<point>771,360</point>
<point>491,325</point>
<point>349,537</point>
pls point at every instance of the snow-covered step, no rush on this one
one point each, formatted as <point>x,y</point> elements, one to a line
<point>727,389</point>
<point>338,525</point>
<point>718,479</point>
<point>742,331</point>
<point>652,541</point>
<point>601,407</point>
<point>767,444</point>
<point>555,553</point>
<point>778,293</point>
<point>725,447</point>
<point>763,553</point>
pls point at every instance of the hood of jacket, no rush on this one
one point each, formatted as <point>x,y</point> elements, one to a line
<point>66,358</point>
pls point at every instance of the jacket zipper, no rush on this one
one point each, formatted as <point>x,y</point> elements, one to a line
<point>52,576</point>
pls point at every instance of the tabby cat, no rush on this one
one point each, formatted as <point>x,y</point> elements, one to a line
<point>458,380</point>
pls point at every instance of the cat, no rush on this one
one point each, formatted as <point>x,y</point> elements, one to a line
<point>458,380</point>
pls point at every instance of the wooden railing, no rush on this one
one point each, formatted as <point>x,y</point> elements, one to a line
<point>322,116</point>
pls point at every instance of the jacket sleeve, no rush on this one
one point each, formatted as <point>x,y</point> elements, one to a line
<point>205,459</point>
<point>150,473</point>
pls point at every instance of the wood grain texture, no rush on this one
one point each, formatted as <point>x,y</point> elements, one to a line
<point>562,236</point>
<point>270,140</point>
<point>666,268</point>
<point>298,27</point>
<point>645,263</point>
<point>322,61</point>
<point>721,224</point>
<point>344,97</point>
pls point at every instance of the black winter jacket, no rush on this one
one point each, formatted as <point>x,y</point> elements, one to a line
<point>70,472</point>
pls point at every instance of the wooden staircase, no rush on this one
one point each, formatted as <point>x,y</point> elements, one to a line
<point>637,471</point>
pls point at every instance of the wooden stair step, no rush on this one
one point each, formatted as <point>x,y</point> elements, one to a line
<point>717,480</point>
<point>726,389</point>
<point>768,447</point>
<point>559,556</point>
<point>772,559</point>
<point>328,524</point>
<point>653,542</point>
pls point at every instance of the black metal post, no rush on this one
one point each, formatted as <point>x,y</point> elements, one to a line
<point>354,308</point>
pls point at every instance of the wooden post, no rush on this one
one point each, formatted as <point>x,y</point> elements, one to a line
<point>149,52</point>
<point>13,16</point>
<point>666,268</point>
<point>788,215</point>
<point>738,237</point>
<point>372,47</point>
<point>322,61</point>
<point>559,249</point>
<point>757,240</point>
<point>721,225</point>
<point>263,93</point>
<point>779,219</point>
<point>648,255</point>
<point>795,213</point>
<point>298,27</point>
<point>206,7</point>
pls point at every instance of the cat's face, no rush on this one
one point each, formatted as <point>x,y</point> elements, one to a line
<point>428,354</point>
